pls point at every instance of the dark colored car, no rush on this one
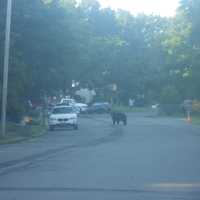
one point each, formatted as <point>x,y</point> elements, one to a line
<point>99,108</point>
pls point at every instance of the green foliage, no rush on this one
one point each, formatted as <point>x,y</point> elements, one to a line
<point>170,100</point>
<point>170,95</point>
<point>56,41</point>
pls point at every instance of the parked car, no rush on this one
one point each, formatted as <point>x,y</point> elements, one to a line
<point>155,106</point>
<point>63,116</point>
<point>76,109</point>
<point>100,107</point>
<point>67,101</point>
<point>82,107</point>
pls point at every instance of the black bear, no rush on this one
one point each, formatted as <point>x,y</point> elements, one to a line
<point>118,117</point>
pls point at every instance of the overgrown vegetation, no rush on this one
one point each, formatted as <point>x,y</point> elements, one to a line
<point>57,41</point>
<point>17,133</point>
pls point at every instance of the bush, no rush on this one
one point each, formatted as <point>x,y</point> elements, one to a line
<point>196,106</point>
<point>15,112</point>
<point>170,95</point>
<point>170,109</point>
<point>170,100</point>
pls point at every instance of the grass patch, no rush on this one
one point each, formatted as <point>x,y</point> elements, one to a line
<point>174,115</point>
<point>17,133</point>
<point>11,139</point>
<point>196,120</point>
<point>129,110</point>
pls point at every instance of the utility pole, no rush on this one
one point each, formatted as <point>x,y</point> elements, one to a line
<point>6,64</point>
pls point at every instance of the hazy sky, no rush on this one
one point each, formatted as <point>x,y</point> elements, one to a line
<point>160,7</point>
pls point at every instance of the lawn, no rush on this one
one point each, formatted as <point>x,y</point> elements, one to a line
<point>196,120</point>
<point>17,133</point>
<point>128,109</point>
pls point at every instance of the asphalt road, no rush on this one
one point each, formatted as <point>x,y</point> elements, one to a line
<point>149,159</point>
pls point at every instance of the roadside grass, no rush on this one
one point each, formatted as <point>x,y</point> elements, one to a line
<point>174,115</point>
<point>196,120</point>
<point>17,133</point>
<point>129,110</point>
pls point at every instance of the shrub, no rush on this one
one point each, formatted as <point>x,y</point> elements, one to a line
<point>170,100</point>
<point>170,95</point>
<point>196,106</point>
